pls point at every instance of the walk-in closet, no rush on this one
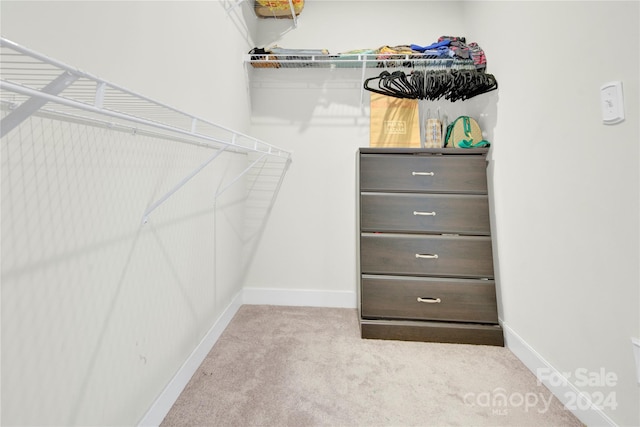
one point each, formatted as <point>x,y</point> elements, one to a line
<point>193,211</point>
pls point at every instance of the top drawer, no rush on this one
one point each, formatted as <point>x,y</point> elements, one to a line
<point>444,174</point>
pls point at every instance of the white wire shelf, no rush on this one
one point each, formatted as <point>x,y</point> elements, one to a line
<point>379,60</point>
<point>32,83</point>
<point>367,63</point>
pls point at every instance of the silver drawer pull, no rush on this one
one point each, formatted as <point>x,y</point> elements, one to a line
<point>427,256</point>
<point>422,173</point>
<point>418,213</point>
<point>430,300</point>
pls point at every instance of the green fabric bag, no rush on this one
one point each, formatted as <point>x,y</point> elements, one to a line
<point>464,132</point>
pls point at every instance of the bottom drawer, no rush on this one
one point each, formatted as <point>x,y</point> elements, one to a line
<point>420,298</point>
<point>444,332</point>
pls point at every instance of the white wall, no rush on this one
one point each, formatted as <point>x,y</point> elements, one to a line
<point>98,310</point>
<point>565,186</point>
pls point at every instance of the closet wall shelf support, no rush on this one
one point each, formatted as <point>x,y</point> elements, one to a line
<point>27,88</point>
<point>238,10</point>
<point>161,200</point>
<point>237,177</point>
<point>362,78</point>
<point>234,12</point>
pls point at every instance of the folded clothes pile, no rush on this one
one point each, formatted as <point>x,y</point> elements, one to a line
<point>455,47</point>
<point>446,47</point>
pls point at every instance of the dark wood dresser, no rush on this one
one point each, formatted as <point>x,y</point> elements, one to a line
<point>425,252</point>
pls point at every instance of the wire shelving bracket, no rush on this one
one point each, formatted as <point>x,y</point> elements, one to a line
<point>241,10</point>
<point>31,83</point>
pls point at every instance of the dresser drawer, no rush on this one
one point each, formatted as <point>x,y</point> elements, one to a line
<point>410,298</point>
<point>464,174</point>
<point>426,255</point>
<point>432,331</point>
<point>437,213</point>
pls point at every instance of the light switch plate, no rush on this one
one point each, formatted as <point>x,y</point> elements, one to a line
<point>612,104</point>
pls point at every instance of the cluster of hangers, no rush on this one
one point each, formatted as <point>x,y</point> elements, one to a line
<point>452,84</point>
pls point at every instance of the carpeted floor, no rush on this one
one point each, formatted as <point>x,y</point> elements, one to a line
<point>304,366</point>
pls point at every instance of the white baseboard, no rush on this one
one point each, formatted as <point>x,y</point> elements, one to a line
<point>299,297</point>
<point>170,394</point>
<point>555,381</point>
<point>252,296</point>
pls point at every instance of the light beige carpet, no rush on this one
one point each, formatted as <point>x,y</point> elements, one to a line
<point>302,366</point>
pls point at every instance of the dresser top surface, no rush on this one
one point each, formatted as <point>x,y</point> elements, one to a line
<point>424,151</point>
